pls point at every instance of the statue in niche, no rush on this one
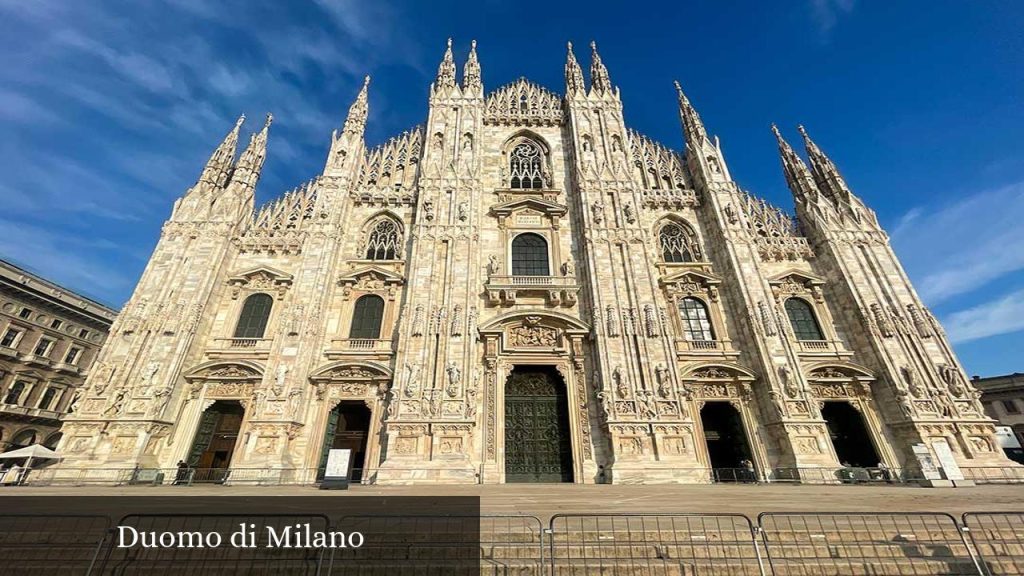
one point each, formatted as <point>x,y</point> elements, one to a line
<point>621,387</point>
<point>789,384</point>
<point>951,376</point>
<point>280,381</point>
<point>662,376</point>
<point>294,403</point>
<point>912,383</point>
<point>597,209</point>
<point>493,265</point>
<point>146,384</point>
<point>116,405</point>
<point>160,399</point>
<point>629,212</point>
<point>463,211</point>
<point>412,383</point>
<point>454,379</point>
<point>568,268</point>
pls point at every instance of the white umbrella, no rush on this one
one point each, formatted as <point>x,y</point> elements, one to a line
<point>31,452</point>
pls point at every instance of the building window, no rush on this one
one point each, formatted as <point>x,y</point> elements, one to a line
<point>1011,407</point>
<point>525,166</point>
<point>56,323</point>
<point>14,392</point>
<point>10,338</point>
<point>25,313</point>
<point>43,347</point>
<point>696,325</point>
<point>367,317</point>
<point>72,356</point>
<point>23,439</point>
<point>83,333</point>
<point>252,323</point>
<point>801,317</point>
<point>384,240</point>
<point>47,399</point>
<point>677,244</point>
<point>529,255</point>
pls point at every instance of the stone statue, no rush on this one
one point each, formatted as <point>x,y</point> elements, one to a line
<point>412,383</point>
<point>568,268</point>
<point>160,399</point>
<point>454,379</point>
<point>493,266</point>
<point>664,386</point>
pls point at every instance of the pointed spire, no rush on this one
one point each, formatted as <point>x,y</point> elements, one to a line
<point>693,127</point>
<point>825,172</point>
<point>471,81</point>
<point>573,75</point>
<point>355,122</point>
<point>446,71</point>
<point>798,177</point>
<point>599,80</point>
<point>250,164</point>
<point>218,167</point>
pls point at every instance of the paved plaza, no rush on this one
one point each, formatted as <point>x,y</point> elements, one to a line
<point>544,500</point>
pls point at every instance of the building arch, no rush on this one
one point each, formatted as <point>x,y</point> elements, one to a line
<point>383,237</point>
<point>526,161</point>
<point>24,437</point>
<point>677,240</point>
<point>254,316</point>
<point>547,316</point>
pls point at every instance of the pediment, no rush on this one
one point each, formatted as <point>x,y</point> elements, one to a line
<point>845,371</point>
<point>539,205</point>
<point>724,372</point>
<point>372,274</point>
<point>241,370</point>
<point>264,276</point>
<point>797,276</point>
<point>690,276</point>
<point>359,371</point>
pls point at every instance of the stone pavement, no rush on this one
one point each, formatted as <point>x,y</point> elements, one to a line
<point>544,500</point>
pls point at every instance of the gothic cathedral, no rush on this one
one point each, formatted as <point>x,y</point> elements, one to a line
<point>524,290</point>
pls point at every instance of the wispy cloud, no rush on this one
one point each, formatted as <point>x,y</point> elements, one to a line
<point>963,246</point>
<point>826,14</point>
<point>1000,316</point>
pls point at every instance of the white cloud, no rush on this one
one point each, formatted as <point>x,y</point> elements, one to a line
<point>999,316</point>
<point>826,13</point>
<point>963,246</point>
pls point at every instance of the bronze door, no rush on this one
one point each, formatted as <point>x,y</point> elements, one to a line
<point>537,442</point>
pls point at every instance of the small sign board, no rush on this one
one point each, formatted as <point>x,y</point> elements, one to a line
<point>925,461</point>
<point>336,472</point>
<point>946,459</point>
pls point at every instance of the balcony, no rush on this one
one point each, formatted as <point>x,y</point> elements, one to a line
<point>364,347</point>
<point>721,348</point>
<point>36,360</point>
<point>67,368</point>
<point>558,290</point>
<point>8,352</point>
<point>239,348</point>
<point>822,348</point>
<point>37,415</point>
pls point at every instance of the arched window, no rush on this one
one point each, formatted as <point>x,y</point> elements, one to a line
<point>384,240</point>
<point>14,393</point>
<point>24,438</point>
<point>525,166</point>
<point>530,255</point>
<point>801,317</point>
<point>696,325</point>
<point>52,440</point>
<point>367,317</point>
<point>252,323</point>
<point>678,243</point>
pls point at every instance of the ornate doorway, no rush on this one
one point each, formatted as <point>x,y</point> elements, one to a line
<point>728,449</point>
<point>348,426</point>
<point>538,446</point>
<point>215,441</point>
<point>849,435</point>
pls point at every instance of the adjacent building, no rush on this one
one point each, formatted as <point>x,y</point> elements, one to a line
<point>1003,399</point>
<point>524,289</point>
<point>49,336</point>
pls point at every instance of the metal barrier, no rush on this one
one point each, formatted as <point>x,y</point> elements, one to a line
<point>998,538</point>
<point>203,558</point>
<point>994,474</point>
<point>50,544</point>
<point>856,543</point>
<point>840,475</point>
<point>441,544</point>
<point>670,544</point>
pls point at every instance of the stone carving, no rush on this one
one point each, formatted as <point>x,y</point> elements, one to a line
<point>412,381</point>
<point>789,383</point>
<point>146,378</point>
<point>116,405</point>
<point>597,210</point>
<point>767,321</point>
<point>629,212</point>
<point>913,385</point>
<point>456,321</point>
<point>650,321</point>
<point>463,210</point>
<point>417,320</point>
<point>924,330</point>
<point>664,385</point>
<point>612,317</point>
<point>493,265</point>
<point>621,386</point>
<point>532,335</point>
<point>568,268</point>
<point>454,379</point>
<point>160,399</point>
<point>951,377</point>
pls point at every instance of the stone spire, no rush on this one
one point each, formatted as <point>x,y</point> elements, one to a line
<point>218,167</point>
<point>446,71</point>
<point>599,81</point>
<point>826,175</point>
<point>573,75</point>
<point>471,81</point>
<point>798,177</point>
<point>250,164</point>
<point>693,127</point>
<point>355,122</point>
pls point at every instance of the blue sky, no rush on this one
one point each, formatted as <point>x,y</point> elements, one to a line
<point>109,109</point>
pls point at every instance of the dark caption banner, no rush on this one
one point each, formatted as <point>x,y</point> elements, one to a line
<point>315,535</point>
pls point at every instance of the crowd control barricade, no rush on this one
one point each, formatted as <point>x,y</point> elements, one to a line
<point>199,558</point>
<point>998,539</point>
<point>51,544</point>
<point>864,543</point>
<point>396,545</point>
<point>670,544</point>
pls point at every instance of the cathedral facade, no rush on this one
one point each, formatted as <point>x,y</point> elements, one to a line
<point>523,289</point>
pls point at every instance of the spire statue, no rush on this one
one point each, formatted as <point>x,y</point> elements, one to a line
<point>599,80</point>
<point>573,75</point>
